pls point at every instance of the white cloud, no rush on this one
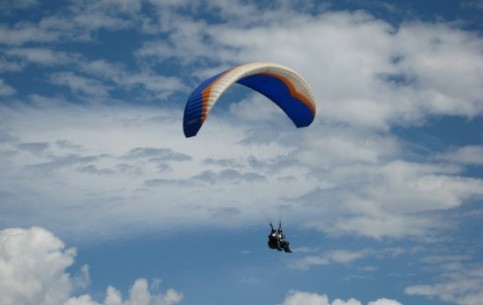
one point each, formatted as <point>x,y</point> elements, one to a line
<point>132,143</point>
<point>384,301</point>
<point>330,146</point>
<point>402,75</point>
<point>299,298</point>
<point>458,279</point>
<point>295,297</point>
<point>340,256</point>
<point>20,4</point>
<point>75,22</point>
<point>33,270</point>
<point>32,267</point>
<point>467,155</point>
<point>5,89</point>
<point>81,280</point>
<point>42,56</point>
<point>80,84</point>
<point>342,181</point>
<point>23,33</point>
<point>364,71</point>
<point>478,4</point>
<point>158,85</point>
<point>171,297</point>
<point>106,14</point>
<point>139,294</point>
<point>461,285</point>
<point>388,199</point>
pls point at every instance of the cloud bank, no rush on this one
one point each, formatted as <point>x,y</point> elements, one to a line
<point>104,131</point>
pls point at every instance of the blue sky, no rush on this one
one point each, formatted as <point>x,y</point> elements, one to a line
<point>103,200</point>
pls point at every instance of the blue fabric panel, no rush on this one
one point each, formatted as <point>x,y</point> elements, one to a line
<point>276,90</point>
<point>193,109</point>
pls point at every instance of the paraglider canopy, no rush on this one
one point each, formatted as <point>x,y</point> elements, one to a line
<point>283,86</point>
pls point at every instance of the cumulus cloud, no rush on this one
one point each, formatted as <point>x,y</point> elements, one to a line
<point>33,270</point>
<point>139,294</point>
<point>32,267</point>
<point>384,301</point>
<point>295,297</point>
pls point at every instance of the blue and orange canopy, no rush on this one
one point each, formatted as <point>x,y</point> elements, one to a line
<point>283,86</point>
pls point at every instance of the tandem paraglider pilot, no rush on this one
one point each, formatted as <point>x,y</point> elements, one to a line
<point>277,240</point>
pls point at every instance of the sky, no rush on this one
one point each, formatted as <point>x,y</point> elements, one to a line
<point>103,201</point>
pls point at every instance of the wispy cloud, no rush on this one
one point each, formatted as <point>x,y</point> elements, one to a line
<point>81,85</point>
<point>21,4</point>
<point>467,155</point>
<point>342,256</point>
<point>24,33</point>
<point>332,257</point>
<point>164,154</point>
<point>459,280</point>
<point>41,56</point>
<point>34,147</point>
<point>5,89</point>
